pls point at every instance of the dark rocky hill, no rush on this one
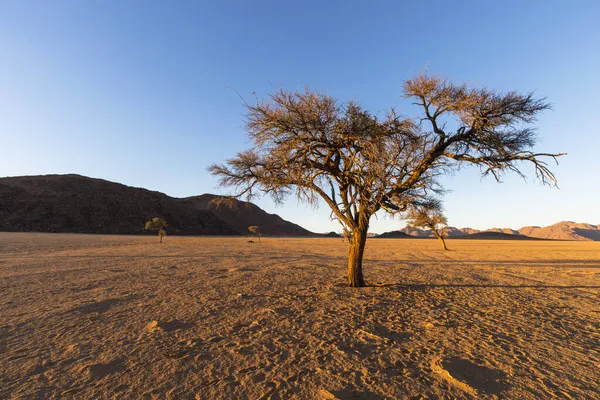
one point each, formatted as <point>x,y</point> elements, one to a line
<point>333,235</point>
<point>74,203</point>
<point>394,235</point>
<point>494,235</point>
<point>478,235</point>
<point>240,215</point>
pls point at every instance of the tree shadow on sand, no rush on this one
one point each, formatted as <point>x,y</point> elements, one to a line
<point>169,326</point>
<point>97,306</point>
<point>350,394</point>
<point>423,286</point>
<point>483,379</point>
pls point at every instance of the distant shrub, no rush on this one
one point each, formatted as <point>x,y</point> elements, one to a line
<point>157,225</point>
<point>255,230</point>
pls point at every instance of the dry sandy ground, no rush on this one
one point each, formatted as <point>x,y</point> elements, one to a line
<point>85,316</point>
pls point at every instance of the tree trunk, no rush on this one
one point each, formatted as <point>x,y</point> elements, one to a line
<point>441,238</point>
<point>355,257</point>
<point>160,238</point>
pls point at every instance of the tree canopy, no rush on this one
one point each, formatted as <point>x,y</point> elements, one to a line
<point>157,225</point>
<point>309,145</point>
<point>428,215</point>
<point>255,230</point>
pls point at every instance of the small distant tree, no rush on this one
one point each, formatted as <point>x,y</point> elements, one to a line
<point>309,145</point>
<point>157,225</point>
<point>255,230</point>
<point>428,215</point>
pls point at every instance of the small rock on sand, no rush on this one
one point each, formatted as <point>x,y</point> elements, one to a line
<point>153,326</point>
<point>326,395</point>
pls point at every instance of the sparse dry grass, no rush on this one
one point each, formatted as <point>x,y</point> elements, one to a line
<point>86,316</point>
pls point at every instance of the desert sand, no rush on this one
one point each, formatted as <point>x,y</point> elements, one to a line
<point>123,317</point>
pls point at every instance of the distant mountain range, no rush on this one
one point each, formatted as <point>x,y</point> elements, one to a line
<point>75,203</point>
<point>565,230</point>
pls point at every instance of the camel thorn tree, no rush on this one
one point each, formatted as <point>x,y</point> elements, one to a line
<point>309,145</point>
<point>157,225</point>
<point>255,230</point>
<point>428,215</point>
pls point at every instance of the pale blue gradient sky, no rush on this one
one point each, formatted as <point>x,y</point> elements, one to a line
<point>135,91</point>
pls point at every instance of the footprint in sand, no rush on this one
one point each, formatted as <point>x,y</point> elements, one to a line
<point>468,376</point>
<point>98,307</point>
<point>100,370</point>
<point>167,326</point>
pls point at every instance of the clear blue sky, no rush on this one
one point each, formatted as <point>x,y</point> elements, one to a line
<point>135,91</point>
